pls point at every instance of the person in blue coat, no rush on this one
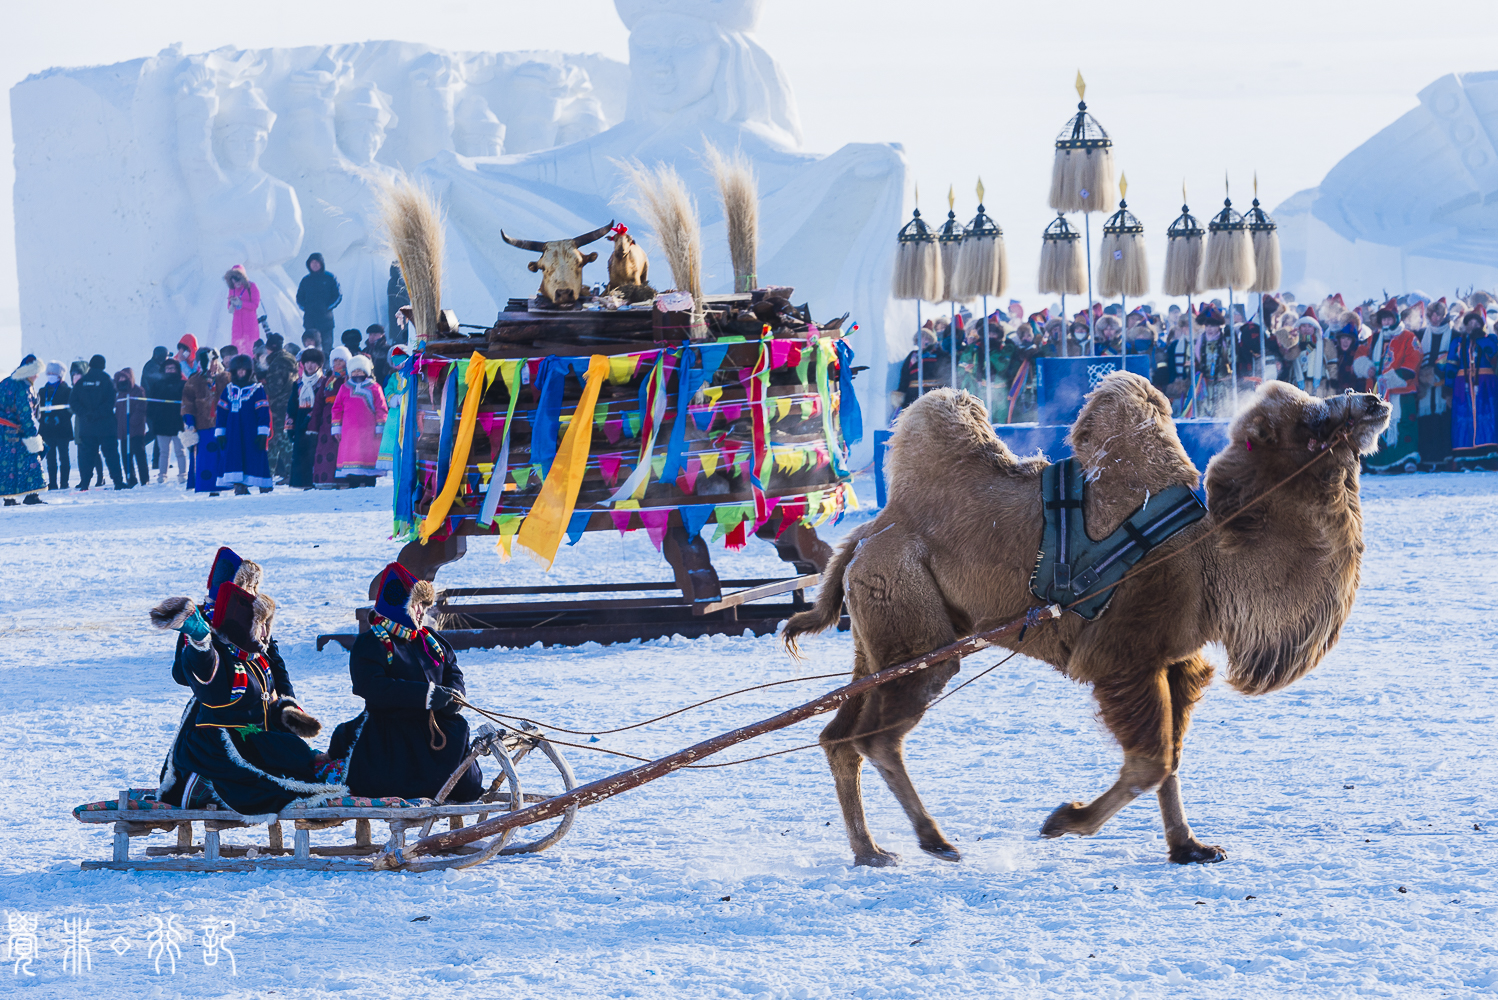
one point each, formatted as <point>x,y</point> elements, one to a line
<point>241,430</point>
<point>241,742</point>
<point>410,738</point>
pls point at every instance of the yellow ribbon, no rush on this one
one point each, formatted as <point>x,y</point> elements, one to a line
<point>458,468</point>
<point>546,524</point>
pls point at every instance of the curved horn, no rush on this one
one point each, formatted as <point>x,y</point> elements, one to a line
<point>599,233</point>
<point>530,245</point>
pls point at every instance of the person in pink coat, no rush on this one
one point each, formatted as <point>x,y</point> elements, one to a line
<point>359,422</point>
<point>244,305</point>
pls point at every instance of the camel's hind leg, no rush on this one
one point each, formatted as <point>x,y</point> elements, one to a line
<point>875,725</point>
<point>1187,681</point>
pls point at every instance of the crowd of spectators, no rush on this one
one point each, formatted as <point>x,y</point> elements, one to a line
<point>1433,361</point>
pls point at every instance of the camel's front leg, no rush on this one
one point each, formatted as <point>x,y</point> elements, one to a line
<point>1187,681</point>
<point>1137,711</point>
<point>1185,849</point>
<point>1138,775</point>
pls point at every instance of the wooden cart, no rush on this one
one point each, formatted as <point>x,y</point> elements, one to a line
<point>797,449</point>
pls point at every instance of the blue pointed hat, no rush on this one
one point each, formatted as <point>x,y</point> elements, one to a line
<point>392,594</point>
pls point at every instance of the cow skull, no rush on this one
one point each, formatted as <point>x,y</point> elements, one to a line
<point>561,263</point>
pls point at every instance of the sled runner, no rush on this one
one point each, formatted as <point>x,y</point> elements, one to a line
<point>135,812</point>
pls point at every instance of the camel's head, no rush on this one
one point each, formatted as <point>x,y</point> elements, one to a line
<point>1281,417</point>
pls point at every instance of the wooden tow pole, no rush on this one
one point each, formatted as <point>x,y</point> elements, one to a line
<point>604,788</point>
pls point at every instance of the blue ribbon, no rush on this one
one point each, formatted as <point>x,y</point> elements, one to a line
<point>449,424</point>
<point>694,516</point>
<point>849,411</point>
<point>404,463</point>
<point>550,381</point>
<point>577,526</point>
<point>690,381</point>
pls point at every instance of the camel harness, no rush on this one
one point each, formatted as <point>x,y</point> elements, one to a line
<point>1070,564</point>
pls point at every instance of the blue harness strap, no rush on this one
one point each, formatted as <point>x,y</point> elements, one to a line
<point>1070,564</point>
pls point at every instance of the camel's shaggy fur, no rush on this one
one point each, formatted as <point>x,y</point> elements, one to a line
<point>953,550</point>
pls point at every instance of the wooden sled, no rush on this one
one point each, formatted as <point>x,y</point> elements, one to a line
<point>506,793</point>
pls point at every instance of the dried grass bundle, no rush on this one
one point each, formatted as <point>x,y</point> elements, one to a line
<point>1184,256</point>
<point>982,267</point>
<point>1230,259</point>
<point>739,189</point>
<point>1124,269</point>
<point>1266,244</point>
<point>664,202</point>
<point>413,233</point>
<point>1082,180</point>
<point>1061,270</point>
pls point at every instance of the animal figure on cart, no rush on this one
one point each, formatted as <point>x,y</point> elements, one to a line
<point>1269,570</point>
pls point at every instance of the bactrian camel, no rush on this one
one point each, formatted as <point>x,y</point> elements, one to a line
<point>953,550</point>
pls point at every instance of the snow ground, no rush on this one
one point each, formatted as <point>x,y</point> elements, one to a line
<point>1373,774</point>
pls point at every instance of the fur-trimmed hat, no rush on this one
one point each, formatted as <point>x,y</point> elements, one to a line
<point>361,363</point>
<point>27,369</point>
<point>1385,313</point>
<point>340,352</point>
<point>397,590</point>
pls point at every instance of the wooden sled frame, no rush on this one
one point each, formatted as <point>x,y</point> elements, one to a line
<point>505,794</point>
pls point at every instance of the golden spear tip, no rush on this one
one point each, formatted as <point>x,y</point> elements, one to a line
<point>1256,183</point>
<point>980,190</point>
<point>1081,87</point>
<point>917,194</point>
<point>1123,185</point>
<point>951,197</point>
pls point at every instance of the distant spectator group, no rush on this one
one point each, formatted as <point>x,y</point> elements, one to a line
<point>216,421</point>
<point>1434,361</point>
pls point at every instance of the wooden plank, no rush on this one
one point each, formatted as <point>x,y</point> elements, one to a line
<point>756,593</point>
<point>577,588</point>
<point>173,816</point>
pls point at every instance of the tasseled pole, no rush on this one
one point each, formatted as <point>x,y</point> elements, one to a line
<point>1124,270</point>
<point>1061,267</point>
<point>1262,230</point>
<point>918,277</point>
<point>983,270</point>
<point>1184,252</point>
<point>949,239</point>
<point>1230,265</point>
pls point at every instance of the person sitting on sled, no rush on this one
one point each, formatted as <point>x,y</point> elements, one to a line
<point>242,740</point>
<point>410,737</point>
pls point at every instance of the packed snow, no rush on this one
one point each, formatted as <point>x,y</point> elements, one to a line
<point>1358,807</point>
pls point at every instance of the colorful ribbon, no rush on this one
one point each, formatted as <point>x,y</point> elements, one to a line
<point>551,513</point>
<point>462,444</point>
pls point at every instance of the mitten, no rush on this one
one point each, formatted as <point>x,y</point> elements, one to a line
<point>296,720</point>
<point>33,444</point>
<point>439,697</point>
<point>337,430</point>
<point>180,614</point>
<point>189,438</point>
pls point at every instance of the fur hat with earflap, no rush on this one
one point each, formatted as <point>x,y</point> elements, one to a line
<point>397,593</point>
<point>340,353</point>
<point>360,363</point>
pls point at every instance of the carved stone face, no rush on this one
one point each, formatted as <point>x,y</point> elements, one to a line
<point>360,139</point>
<point>240,146</point>
<point>673,61</point>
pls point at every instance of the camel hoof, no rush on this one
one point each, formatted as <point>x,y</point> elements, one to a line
<point>878,859</point>
<point>944,851</point>
<point>1061,821</point>
<point>1197,853</point>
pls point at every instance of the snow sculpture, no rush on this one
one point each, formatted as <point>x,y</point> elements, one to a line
<point>244,215</point>
<point>138,185</point>
<point>696,73</point>
<point>1410,208</point>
